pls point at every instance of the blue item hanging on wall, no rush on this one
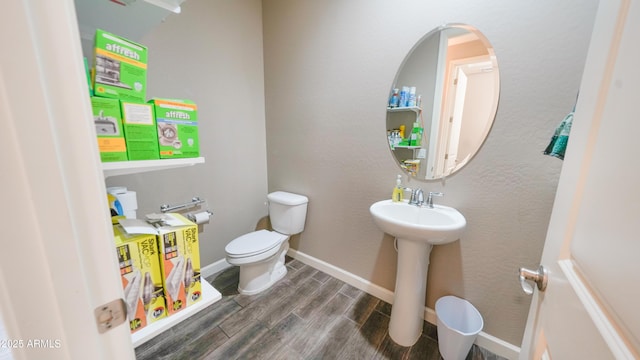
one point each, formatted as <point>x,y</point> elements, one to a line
<point>558,144</point>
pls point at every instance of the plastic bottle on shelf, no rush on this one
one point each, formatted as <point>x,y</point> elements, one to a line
<point>412,97</point>
<point>394,100</point>
<point>404,96</point>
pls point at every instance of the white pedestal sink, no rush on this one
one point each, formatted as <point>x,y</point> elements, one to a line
<point>416,229</point>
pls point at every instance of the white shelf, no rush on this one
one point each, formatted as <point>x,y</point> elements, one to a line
<point>138,166</point>
<point>209,296</point>
<point>402,109</point>
<point>406,147</point>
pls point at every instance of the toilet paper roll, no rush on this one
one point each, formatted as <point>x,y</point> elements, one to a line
<point>116,190</point>
<point>129,202</point>
<point>199,217</point>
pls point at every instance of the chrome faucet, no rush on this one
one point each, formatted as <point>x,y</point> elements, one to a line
<point>417,197</point>
<point>430,198</point>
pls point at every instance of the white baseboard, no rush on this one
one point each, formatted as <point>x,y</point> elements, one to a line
<point>214,268</point>
<point>489,342</point>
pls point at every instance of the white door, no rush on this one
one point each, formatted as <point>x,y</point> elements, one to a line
<point>57,262</point>
<point>592,253</point>
<point>454,126</point>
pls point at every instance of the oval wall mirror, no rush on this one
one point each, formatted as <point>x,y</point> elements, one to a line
<point>443,102</point>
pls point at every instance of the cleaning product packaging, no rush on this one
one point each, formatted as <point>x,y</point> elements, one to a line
<point>108,122</point>
<point>87,71</point>
<point>416,135</point>
<point>139,260</point>
<point>394,99</point>
<point>177,122</point>
<point>120,68</point>
<point>404,96</point>
<point>140,131</point>
<point>180,260</point>
<point>179,257</point>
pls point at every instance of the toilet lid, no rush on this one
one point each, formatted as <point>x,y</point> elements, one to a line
<point>254,243</point>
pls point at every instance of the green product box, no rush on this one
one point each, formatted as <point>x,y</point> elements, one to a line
<point>108,121</point>
<point>120,68</point>
<point>177,128</point>
<point>140,131</point>
<point>87,71</point>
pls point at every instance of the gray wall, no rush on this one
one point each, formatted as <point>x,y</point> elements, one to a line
<point>328,69</point>
<point>211,53</point>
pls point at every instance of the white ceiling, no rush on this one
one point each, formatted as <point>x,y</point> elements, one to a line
<point>131,21</point>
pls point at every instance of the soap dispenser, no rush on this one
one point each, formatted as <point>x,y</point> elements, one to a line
<point>398,192</point>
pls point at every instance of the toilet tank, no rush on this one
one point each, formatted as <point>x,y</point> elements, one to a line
<point>287,212</point>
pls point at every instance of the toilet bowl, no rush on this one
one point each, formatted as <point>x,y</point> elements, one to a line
<point>261,254</point>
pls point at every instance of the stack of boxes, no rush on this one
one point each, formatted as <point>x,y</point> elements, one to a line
<point>127,126</point>
<point>159,267</point>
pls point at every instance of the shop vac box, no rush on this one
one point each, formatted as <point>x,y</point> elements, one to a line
<point>177,128</point>
<point>140,130</point>
<point>179,257</point>
<point>108,122</point>
<point>140,271</point>
<point>120,68</point>
<point>180,262</point>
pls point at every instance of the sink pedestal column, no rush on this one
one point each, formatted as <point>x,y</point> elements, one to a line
<point>407,311</point>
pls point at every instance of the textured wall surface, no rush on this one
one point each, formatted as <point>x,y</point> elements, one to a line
<point>328,69</point>
<point>211,53</point>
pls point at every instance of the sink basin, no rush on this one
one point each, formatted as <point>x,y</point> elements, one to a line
<point>436,226</point>
<point>417,230</point>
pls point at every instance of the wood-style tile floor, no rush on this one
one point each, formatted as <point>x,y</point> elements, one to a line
<point>306,315</point>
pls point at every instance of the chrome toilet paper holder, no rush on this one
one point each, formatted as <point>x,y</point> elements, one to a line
<point>195,201</point>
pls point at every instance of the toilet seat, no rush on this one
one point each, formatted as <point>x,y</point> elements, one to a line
<point>254,243</point>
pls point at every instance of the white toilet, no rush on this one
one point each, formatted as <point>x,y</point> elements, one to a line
<point>260,254</point>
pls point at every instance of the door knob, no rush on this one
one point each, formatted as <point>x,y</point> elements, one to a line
<point>537,276</point>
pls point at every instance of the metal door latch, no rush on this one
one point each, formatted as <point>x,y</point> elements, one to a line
<point>110,315</point>
<point>537,276</point>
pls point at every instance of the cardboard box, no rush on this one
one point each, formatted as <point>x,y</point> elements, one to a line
<point>177,122</point>
<point>179,258</point>
<point>180,262</point>
<point>120,68</point>
<point>87,71</point>
<point>140,271</point>
<point>140,131</point>
<point>108,121</point>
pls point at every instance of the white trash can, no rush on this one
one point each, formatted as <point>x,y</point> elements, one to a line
<point>459,323</point>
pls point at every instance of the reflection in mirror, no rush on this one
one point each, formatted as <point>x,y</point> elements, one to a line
<point>443,102</point>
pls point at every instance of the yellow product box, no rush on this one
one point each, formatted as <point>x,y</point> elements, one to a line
<point>140,271</point>
<point>180,262</point>
<point>179,251</point>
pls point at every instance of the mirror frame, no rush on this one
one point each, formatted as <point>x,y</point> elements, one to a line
<point>435,165</point>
